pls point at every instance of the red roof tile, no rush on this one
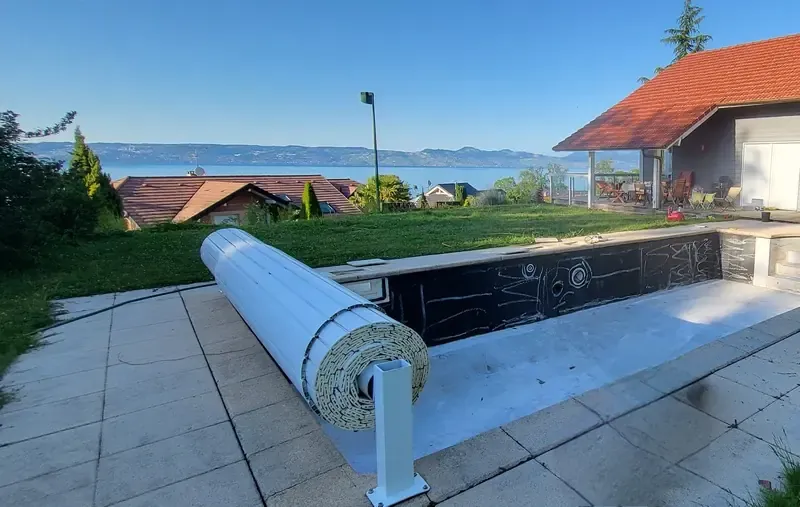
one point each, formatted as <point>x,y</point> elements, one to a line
<point>153,199</point>
<point>661,110</point>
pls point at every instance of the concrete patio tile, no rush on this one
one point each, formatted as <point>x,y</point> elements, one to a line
<point>161,422</point>
<point>290,463</point>
<point>231,486</point>
<point>749,339</point>
<point>83,304</point>
<point>48,453</point>
<point>784,352</point>
<point>604,468</point>
<point>770,378</point>
<point>139,353</point>
<point>55,389</point>
<point>255,393</point>
<point>341,487</point>
<point>274,424</point>
<point>126,297</point>
<point>669,428</point>
<point>199,286</point>
<point>86,324</point>
<point>780,326</point>
<point>50,418</point>
<point>235,347</point>
<point>675,487</point>
<point>124,375</point>
<point>213,313</point>
<point>197,296</point>
<point>59,340</point>
<point>543,430</point>
<point>736,462</point>
<point>163,331</point>
<point>65,487</point>
<point>149,312</point>
<point>724,399</point>
<point>777,424</point>
<point>150,393</point>
<point>229,370</point>
<point>462,466</point>
<point>526,484</point>
<point>40,365</point>
<point>224,331</point>
<point>690,367</point>
<point>143,469</point>
<point>619,397</point>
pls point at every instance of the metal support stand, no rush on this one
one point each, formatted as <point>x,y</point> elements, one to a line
<point>570,190</point>
<point>391,389</point>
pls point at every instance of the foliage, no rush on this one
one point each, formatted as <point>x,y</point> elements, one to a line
<point>259,213</point>
<point>393,189</point>
<point>460,195</point>
<point>85,164</point>
<point>604,167</point>
<point>39,203</point>
<point>311,208</point>
<point>530,183</point>
<point>686,38</point>
<point>469,201</point>
<point>490,197</point>
<point>108,221</point>
<point>789,494</point>
<point>423,201</point>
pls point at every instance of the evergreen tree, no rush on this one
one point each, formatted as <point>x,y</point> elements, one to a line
<point>459,197</point>
<point>85,165</point>
<point>311,208</point>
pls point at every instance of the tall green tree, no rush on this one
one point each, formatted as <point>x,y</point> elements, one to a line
<point>311,207</point>
<point>85,165</point>
<point>460,195</point>
<point>604,167</point>
<point>685,38</point>
<point>393,189</point>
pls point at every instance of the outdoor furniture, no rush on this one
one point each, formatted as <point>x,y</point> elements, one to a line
<point>640,193</point>
<point>696,200</point>
<point>604,189</point>
<point>728,202</point>
<point>677,195</point>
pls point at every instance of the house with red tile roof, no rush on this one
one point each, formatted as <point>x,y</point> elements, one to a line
<point>150,200</point>
<point>729,115</point>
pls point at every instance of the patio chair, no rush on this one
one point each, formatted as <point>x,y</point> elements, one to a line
<point>729,201</point>
<point>640,192</point>
<point>696,200</point>
<point>677,195</point>
<point>605,189</point>
<point>708,200</point>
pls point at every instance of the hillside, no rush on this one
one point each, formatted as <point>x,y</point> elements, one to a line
<point>231,154</point>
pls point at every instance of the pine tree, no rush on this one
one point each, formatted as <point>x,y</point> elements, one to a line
<point>79,164</point>
<point>85,165</point>
<point>460,197</point>
<point>311,207</point>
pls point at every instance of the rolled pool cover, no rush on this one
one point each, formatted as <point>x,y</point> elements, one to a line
<point>321,334</point>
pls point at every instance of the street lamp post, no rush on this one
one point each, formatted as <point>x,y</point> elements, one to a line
<point>369,98</point>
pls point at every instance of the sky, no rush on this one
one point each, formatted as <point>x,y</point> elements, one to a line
<point>519,74</point>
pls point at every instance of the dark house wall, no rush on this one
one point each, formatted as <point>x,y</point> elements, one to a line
<point>715,148</point>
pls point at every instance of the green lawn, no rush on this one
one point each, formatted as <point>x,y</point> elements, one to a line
<point>135,260</point>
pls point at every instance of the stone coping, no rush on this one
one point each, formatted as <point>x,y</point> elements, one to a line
<point>393,267</point>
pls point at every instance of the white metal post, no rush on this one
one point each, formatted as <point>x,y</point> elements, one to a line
<point>552,191</point>
<point>658,166</point>
<point>570,190</point>
<point>393,435</point>
<point>590,193</point>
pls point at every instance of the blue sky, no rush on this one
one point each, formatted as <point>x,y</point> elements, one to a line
<point>446,73</point>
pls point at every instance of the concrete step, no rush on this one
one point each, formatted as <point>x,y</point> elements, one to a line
<point>793,257</point>
<point>788,269</point>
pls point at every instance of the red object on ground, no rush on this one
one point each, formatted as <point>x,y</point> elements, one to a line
<point>675,216</point>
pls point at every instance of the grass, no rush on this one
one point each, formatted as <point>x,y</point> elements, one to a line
<point>118,261</point>
<point>789,494</point>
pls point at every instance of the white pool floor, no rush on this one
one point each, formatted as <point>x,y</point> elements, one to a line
<point>486,381</point>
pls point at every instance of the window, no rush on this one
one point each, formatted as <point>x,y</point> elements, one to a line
<point>232,219</point>
<point>326,208</point>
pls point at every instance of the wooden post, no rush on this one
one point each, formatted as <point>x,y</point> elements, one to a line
<point>590,193</point>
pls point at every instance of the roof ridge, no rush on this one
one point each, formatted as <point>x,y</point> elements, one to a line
<point>739,45</point>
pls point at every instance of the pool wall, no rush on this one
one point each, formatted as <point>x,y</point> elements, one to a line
<point>738,257</point>
<point>458,302</point>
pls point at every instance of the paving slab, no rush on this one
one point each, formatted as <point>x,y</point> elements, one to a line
<point>690,367</point>
<point>229,486</point>
<point>736,462</point>
<point>605,468</point>
<point>290,463</point>
<point>777,424</point>
<point>59,339</point>
<point>148,312</point>
<point>166,331</point>
<point>83,304</point>
<point>749,339</point>
<point>774,379</point>
<point>161,422</point>
<point>543,430</point>
<point>124,375</point>
<point>229,370</point>
<point>784,352</point>
<point>342,489</point>
<point>526,484</point>
<point>780,326</point>
<point>724,399</point>
<point>213,333</point>
<point>669,428</point>
<point>617,398</point>
<point>157,391</point>
<point>255,393</point>
<point>55,389</point>
<point>274,424</point>
<point>52,488</point>
<point>155,350</point>
<point>675,487</point>
<point>162,292</point>
<point>50,418</point>
<point>143,469</point>
<point>235,347</point>
<point>213,313</point>
<point>462,466</point>
<point>39,364</point>
<point>49,453</point>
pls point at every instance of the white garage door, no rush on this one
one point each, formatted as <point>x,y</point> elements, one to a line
<point>771,172</point>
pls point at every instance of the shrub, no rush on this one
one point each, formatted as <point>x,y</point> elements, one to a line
<point>311,208</point>
<point>460,196</point>
<point>491,197</point>
<point>469,201</point>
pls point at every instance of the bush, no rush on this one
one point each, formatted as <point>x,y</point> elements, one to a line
<point>469,201</point>
<point>491,197</point>
<point>311,207</point>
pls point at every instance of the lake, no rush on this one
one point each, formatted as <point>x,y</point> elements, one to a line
<point>478,177</point>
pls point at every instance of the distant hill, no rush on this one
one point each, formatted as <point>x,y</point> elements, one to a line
<point>325,156</point>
